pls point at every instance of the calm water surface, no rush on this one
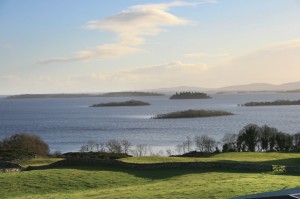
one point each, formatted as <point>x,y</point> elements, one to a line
<point>67,124</point>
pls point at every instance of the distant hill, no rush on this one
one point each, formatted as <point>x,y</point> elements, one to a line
<point>292,86</point>
<point>262,87</point>
<point>172,90</point>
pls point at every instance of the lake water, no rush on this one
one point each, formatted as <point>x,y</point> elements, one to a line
<point>67,124</point>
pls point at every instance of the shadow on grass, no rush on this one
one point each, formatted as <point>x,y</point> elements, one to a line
<point>285,162</point>
<point>152,174</point>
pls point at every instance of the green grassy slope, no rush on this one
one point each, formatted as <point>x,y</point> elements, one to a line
<point>289,159</point>
<point>116,182</point>
<point>108,182</point>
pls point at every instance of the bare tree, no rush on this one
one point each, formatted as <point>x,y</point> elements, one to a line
<point>160,153</point>
<point>169,152</point>
<point>91,145</point>
<point>84,148</point>
<point>140,150</point>
<point>179,148</point>
<point>188,143</point>
<point>205,143</point>
<point>125,146</point>
<point>113,146</point>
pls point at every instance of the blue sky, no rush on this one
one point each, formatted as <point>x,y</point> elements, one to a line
<point>98,46</point>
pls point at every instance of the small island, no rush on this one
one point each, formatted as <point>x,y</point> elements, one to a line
<point>127,103</point>
<point>274,103</point>
<point>190,95</point>
<point>192,114</point>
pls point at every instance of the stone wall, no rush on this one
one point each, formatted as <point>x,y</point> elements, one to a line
<point>168,165</point>
<point>290,169</point>
<point>9,170</point>
<point>10,167</point>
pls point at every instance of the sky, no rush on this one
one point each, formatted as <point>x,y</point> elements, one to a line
<point>65,46</point>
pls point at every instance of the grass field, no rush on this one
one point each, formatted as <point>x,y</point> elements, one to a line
<point>274,158</point>
<point>39,161</point>
<point>116,182</point>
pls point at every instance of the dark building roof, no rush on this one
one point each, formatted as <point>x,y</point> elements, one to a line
<point>282,194</point>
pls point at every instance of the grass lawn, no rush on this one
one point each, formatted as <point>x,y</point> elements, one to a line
<point>274,158</point>
<point>116,182</point>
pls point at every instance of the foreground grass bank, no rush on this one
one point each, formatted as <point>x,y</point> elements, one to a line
<point>116,182</point>
<point>113,182</point>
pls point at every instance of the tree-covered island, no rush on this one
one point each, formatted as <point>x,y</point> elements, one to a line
<point>274,103</point>
<point>126,103</point>
<point>192,114</point>
<point>190,95</point>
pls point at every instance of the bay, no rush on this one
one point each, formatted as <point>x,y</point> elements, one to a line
<point>68,123</point>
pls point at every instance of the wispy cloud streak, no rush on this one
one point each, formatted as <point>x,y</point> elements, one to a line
<point>131,27</point>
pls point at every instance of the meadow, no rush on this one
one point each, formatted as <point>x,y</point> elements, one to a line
<point>116,182</point>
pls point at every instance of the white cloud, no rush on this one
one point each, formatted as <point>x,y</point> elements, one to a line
<point>102,51</point>
<point>131,27</point>
<point>133,24</point>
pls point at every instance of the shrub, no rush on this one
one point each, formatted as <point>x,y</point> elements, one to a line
<point>26,142</point>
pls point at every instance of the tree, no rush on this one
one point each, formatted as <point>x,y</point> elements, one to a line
<point>284,141</point>
<point>248,138</point>
<point>272,139</point>
<point>140,150</point>
<point>205,143</point>
<point>26,142</point>
<point>296,140</point>
<point>188,143</point>
<point>91,145</point>
<point>113,146</point>
<point>125,146</point>
<point>229,142</point>
<point>266,133</point>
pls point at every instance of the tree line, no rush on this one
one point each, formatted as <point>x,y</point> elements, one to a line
<point>116,146</point>
<point>252,138</point>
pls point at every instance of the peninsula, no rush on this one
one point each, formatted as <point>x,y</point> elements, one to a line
<point>126,103</point>
<point>190,95</point>
<point>274,103</point>
<point>74,95</point>
<point>192,114</point>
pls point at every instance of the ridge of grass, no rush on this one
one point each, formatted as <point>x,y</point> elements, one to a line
<point>270,158</point>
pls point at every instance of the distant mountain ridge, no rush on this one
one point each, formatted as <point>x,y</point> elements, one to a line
<point>263,87</point>
<point>286,87</point>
